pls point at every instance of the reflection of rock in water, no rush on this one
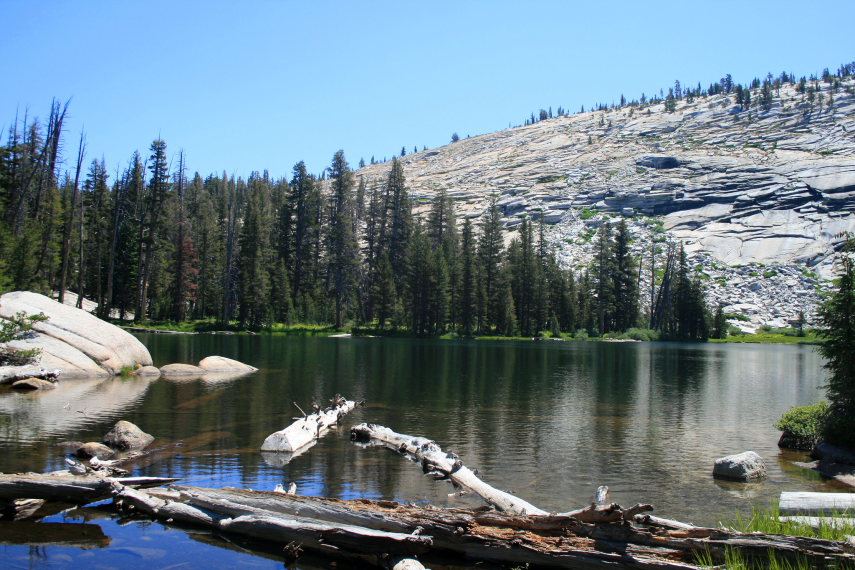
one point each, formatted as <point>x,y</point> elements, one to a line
<point>218,379</point>
<point>741,490</point>
<point>41,415</point>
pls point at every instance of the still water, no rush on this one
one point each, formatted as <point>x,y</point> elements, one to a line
<point>548,421</point>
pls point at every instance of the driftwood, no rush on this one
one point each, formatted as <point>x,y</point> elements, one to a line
<point>816,504</point>
<point>309,428</point>
<point>557,541</point>
<point>442,465</point>
<point>380,531</point>
<point>77,489</point>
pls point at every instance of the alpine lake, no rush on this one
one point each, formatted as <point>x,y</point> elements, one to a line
<point>548,421</point>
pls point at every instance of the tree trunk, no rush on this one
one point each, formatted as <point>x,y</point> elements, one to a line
<point>442,465</point>
<point>308,429</point>
<point>69,221</point>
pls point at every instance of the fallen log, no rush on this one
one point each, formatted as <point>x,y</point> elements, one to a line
<point>816,504</point>
<point>77,489</point>
<point>442,465</point>
<point>261,524</point>
<point>557,541</point>
<point>309,428</point>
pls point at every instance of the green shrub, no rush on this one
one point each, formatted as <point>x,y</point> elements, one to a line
<point>14,329</point>
<point>770,273</point>
<point>803,425</point>
<point>647,335</point>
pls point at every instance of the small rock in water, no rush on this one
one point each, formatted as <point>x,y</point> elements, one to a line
<point>746,466</point>
<point>126,435</point>
<point>94,449</point>
<point>33,384</point>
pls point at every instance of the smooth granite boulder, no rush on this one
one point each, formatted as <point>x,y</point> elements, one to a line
<point>72,341</point>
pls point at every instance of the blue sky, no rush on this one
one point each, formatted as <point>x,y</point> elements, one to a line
<point>254,85</point>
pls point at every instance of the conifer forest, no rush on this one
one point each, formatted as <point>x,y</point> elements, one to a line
<point>151,243</point>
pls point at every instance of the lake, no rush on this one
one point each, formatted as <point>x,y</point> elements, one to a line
<point>548,421</point>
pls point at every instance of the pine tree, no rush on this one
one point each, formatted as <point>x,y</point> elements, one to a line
<point>256,255</point>
<point>151,226</point>
<point>305,203</point>
<point>603,278</point>
<point>468,282</point>
<point>490,250</point>
<point>625,279</point>
<point>837,319</point>
<point>719,329</point>
<point>342,245</point>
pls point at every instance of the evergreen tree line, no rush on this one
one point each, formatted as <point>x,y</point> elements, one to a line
<point>762,91</point>
<point>158,245</point>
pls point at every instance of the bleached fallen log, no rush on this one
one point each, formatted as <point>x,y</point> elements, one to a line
<point>809,503</point>
<point>68,488</point>
<point>443,466</point>
<point>309,428</point>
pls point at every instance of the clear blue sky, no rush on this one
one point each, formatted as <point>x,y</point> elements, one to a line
<point>254,85</point>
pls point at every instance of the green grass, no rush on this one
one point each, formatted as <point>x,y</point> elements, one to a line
<point>767,521</point>
<point>548,179</point>
<point>770,337</point>
<point>587,214</point>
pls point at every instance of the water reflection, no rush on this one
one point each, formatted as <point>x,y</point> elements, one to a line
<point>550,421</point>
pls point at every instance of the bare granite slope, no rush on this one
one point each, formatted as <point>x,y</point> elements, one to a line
<point>773,188</point>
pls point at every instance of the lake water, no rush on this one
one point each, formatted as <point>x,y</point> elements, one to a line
<point>549,421</point>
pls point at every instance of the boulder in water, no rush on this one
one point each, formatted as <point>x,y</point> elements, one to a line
<point>126,435</point>
<point>745,466</point>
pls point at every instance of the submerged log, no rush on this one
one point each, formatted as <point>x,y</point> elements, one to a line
<point>53,534</point>
<point>309,428</point>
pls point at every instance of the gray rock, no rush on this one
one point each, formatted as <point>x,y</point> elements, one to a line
<point>223,364</point>
<point>73,341</point>
<point>178,370</point>
<point>148,371</point>
<point>745,466</point>
<point>94,449</point>
<point>126,435</point>
<point>33,384</point>
<point>829,452</point>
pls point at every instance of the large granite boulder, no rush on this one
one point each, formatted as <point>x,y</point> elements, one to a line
<point>182,371</point>
<point>221,364</point>
<point>72,341</point>
<point>745,466</point>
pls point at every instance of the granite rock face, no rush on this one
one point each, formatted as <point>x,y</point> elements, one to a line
<point>71,340</point>
<point>737,186</point>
